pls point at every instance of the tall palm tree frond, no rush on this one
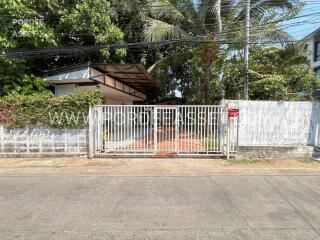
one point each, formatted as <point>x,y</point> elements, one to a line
<point>164,9</point>
<point>172,60</point>
<point>188,9</point>
<point>272,36</point>
<point>265,4</point>
<point>260,7</point>
<point>294,54</point>
<point>156,30</point>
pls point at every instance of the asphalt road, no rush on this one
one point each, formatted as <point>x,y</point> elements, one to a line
<point>97,206</point>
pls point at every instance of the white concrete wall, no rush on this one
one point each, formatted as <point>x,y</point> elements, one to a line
<point>64,89</point>
<point>277,123</point>
<point>43,141</point>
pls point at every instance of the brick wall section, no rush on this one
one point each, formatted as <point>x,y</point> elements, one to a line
<point>43,141</point>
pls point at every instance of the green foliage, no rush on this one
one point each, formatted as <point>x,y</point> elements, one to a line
<point>36,36</point>
<point>46,110</point>
<point>36,24</point>
<point>25,85</point>
<point>179,67</point>
<point>178,19</point>
<point>13,79</point>
<point>93,18</point>
<point>275,74</point>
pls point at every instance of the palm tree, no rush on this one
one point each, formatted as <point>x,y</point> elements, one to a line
<point>186,20</point>
<point>210,21</point>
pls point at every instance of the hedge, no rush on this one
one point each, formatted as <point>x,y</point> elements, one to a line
<point>44,109</point>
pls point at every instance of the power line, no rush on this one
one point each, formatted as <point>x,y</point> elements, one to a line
<point>51,52</point>
<point>75,49</point>
<point>215,25</point>
<point>72,50</point>
<point>47,52</point>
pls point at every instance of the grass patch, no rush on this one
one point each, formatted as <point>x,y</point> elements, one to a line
<point>245,161</point>
<point>308,160</point>
<point>210,143</point>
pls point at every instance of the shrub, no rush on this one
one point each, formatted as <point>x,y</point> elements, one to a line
<point>43,109</point>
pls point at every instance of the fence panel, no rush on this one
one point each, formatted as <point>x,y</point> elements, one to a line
<point>136,130</point>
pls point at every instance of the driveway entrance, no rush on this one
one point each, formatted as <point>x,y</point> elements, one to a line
<point>183,130</point>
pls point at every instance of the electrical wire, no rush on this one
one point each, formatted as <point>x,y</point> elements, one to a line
<point>47,52</point>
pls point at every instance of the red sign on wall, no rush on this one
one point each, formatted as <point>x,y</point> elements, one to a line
<point>233,112</point>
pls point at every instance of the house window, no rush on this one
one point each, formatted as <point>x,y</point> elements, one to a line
<point>318,73</point>
<point>317,51</point>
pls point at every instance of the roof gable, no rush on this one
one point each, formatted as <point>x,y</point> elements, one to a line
<point>315,33</point>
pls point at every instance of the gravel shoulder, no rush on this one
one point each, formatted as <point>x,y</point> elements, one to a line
<point>152,166</point>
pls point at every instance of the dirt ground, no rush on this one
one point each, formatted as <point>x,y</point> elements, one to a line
<point>154,166</point>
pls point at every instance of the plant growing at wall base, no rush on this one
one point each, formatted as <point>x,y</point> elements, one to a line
<point>43,109</point>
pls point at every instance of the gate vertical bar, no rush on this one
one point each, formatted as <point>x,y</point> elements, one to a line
<point>177,129</point>
<point>155,126</point>
<point>108,129</point>
<point>228,137</point>
<point>238,126</point>
<point>104,128</point>
<point>189,131</point>
<point>147,130</point>
<point>91,134</point>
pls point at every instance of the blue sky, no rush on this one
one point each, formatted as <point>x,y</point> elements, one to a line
<point>300,30</point>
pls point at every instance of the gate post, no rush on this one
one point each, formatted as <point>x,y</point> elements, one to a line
<point>228,137</point>
<point>90,134</point>
<point>226,131</point>
<point>155,130</point>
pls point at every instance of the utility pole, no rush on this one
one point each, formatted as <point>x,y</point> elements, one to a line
<point>246,51</point>
<point>218,16</point>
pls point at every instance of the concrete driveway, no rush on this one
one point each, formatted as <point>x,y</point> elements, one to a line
<point>216,206</point>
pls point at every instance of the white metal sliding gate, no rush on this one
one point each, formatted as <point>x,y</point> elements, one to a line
<point>136,130</point>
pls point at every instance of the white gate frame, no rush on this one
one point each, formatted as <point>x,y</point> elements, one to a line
<point>225,131</point>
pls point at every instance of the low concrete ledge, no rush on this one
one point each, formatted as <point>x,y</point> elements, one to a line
<point>275,152</point>
<point>41,155</point>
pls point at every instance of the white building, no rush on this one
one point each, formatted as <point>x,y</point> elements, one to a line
<point>313,41</point>
<point>118,83</point>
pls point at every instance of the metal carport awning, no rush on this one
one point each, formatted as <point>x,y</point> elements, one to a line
<point>132,75</point>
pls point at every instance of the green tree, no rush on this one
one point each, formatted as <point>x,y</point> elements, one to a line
<point>277,73</point>
<point>35,24</point>
<point>211,21</point>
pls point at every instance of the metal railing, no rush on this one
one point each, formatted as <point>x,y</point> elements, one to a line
<point>136,130</point>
